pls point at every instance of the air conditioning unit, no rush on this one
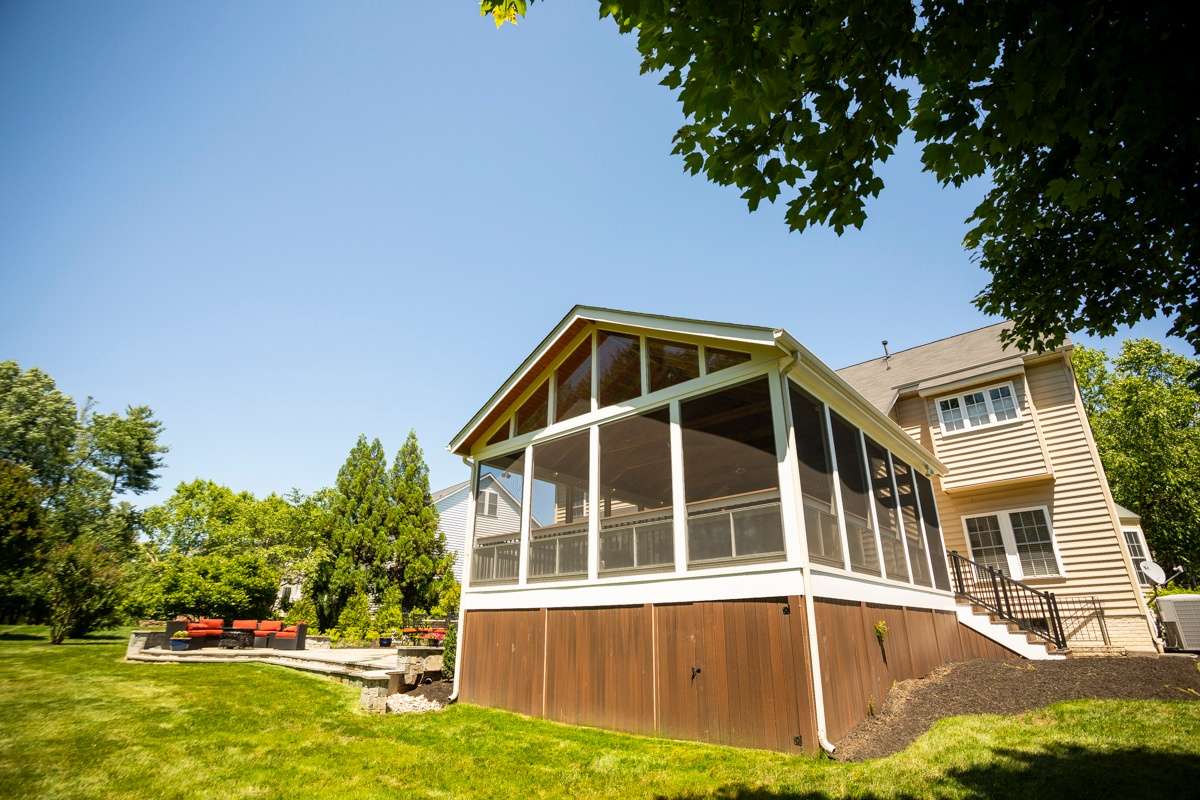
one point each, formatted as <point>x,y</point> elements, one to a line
<point>1181,620</point>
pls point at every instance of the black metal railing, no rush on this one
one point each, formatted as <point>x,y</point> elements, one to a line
<point>1056,620</point>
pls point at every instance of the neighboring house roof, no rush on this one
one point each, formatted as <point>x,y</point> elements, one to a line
<point>976,353</point>
<point>442,494</point>
<point>580,316</point>
<point>1126,515</point>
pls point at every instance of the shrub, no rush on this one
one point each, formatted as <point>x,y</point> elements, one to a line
<point>390,617</point>
<point>303,610</point>
<point>450,643</point>
<point>242,586</point>
<point>355,619</point>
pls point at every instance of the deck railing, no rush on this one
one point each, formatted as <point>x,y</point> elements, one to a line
<point>1056,620</point>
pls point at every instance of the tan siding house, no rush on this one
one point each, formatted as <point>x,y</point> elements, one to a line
<point>1024,489</point>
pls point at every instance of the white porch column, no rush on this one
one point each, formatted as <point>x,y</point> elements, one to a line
<point>526,515</point>
<point>678,496</point>
<point>795,541</point>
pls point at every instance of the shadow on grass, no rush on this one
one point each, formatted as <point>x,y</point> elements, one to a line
<point>1058,772</point>
<point>8,636</point>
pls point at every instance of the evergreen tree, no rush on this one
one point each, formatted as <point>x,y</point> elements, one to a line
<point>360,547</point>
<point>420,564</point>
<point>355,618</point>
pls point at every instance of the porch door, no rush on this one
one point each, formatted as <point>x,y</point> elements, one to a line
<point>733,672</point>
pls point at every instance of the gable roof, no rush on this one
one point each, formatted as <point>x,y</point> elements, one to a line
<point>1125,515</point>
<point>579,317</point>
<point>442,494</point>
<point>967,355</point>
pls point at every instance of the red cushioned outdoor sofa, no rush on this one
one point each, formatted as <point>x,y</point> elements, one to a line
<point>290,638</point>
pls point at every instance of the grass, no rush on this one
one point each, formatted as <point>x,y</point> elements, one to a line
<point>78,722</point>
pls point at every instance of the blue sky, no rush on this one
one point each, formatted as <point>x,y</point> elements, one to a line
<point>281,226</point>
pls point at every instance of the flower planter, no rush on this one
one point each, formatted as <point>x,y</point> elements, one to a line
<point>179,644</point>
<point>385,641</point>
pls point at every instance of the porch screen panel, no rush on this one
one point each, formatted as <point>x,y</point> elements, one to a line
<point>670,363</point>
<point>531,416</point>
<point>635,493</point>
<point>885,510</point>
<point>618,367</point>
<point>913,538</point>
<point>495,555</point>
<point>558,517</point>
<point>816,477</point>
<point>731,474</point>
<point>717,359</point>
<point>933,532</point>
<point>852,473</point>
<point>573,388</point>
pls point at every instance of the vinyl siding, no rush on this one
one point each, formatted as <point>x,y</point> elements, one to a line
<point>452,522</point>
<point>1089,544</point>
<point>1005,452</point>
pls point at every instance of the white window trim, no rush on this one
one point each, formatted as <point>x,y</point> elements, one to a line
<point>1010,541</point>
<point>961,397</point>
<point>1137,574</point>
<point>491,497</point>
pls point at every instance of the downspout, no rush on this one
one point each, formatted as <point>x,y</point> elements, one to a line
<point>811,615</point>
<point>458,639</point>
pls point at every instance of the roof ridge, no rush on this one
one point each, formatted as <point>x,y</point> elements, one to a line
<point>924,344</point>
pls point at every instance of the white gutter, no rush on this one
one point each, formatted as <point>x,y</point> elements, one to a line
<point>458,639</point>
<point>794,354</point>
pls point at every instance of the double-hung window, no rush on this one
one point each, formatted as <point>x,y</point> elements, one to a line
<point>978,409</point>
<point>1139,553</point>
<point>1019,543</point>
<point>489,503</point>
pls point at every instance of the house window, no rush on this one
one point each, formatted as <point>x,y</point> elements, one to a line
<point>636,528</point>
<point>670,363</point>
<point>531,416</point>
<point>885,512</point>
<point>717,359</point>
<point>731,474</point>
<point>496,551</point>
<point>618,367</point>
<point>852,473</point>
<point>559,511</point>
<point>816,477</point>
<point>1019,543</point>
<point>490,503</point>
<point>1139,553</point>
<point>573,383</point>
<point>978,409</point>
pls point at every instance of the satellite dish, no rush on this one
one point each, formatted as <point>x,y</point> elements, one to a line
<point>1154,572</point>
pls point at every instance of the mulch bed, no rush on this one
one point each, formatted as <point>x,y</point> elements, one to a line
<point>438,691</point>
<point>994,687</point>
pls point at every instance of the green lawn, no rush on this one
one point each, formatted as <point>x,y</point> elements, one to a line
<point>76,721</point>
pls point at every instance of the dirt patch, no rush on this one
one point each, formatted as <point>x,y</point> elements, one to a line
<point>997,687</point>
<point>438,691</point>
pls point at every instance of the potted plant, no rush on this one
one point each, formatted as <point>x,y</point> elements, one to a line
<point>180,640</point>
<point>385,640</point>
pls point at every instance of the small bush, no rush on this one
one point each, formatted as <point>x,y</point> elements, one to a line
<point>355,619</point>
<point>451,645</point>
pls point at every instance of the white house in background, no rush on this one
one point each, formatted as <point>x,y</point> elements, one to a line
<point>499,512</point>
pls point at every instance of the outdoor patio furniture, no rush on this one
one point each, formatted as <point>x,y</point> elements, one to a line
<point>202,633</point>
<point>237,638</point>
<point>266,632</point>
<point>290,638</point>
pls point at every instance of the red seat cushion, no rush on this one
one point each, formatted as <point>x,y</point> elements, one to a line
<point>212,623</point>
<point>291,628</point>
<point>193,627</point>
<point>270,625</point>
<point>286,635</point>
<point>245,624</point>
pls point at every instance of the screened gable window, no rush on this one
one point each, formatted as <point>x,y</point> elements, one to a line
<point>500,435</point>
<point>1019,543</point>
<point>978,409</point>
<point>531,416</point>
<point>573,383</point>
<point>559,508</point>
<point>885,511</point>
<point>636,530</point>
<point>816,477</point>
<point>717,359</point>
<point>669,363</point>
<point>852,472</point>
<point>731,478</point>
<point>496,553</point>
<point>619,367</point>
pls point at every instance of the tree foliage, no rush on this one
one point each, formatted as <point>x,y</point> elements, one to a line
<point>76,463</point>
<point>241,585</point>
<point>1082,115</point>
<point>1145,417</point>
